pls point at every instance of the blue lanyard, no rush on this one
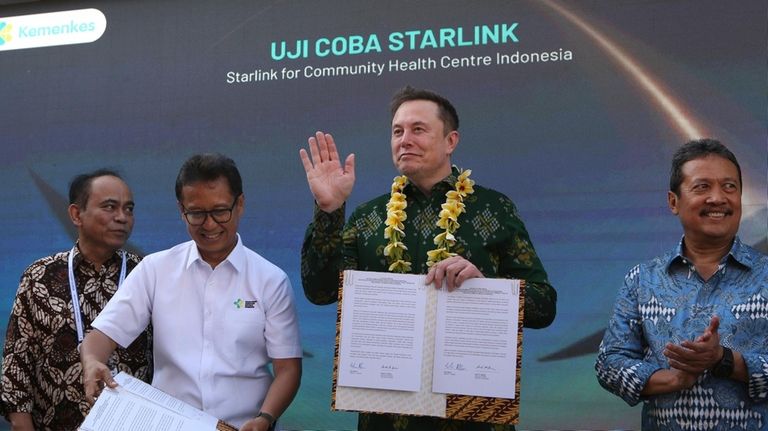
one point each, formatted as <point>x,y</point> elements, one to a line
<point>73,290</point>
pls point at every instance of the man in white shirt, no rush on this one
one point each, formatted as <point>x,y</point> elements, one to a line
<point>220,312</point>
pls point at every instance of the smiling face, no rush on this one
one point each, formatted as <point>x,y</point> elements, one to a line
<point>105,221</point>
<point>214,240</point>
<point>421,149</point>
<point>709,201</point>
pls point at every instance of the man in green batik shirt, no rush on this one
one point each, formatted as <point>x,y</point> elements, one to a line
<point>490,241</point>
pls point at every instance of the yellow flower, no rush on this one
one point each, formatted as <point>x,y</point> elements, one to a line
<point>398,183</point>
<point>451,210</point>
<point>393,205</point>
<point>394,247</point>
<point>465,187</point>
<point>400,266</point>
<point>395,218</point>
<point>454,206</point>
<point>391,231</point>
<point>443,223</point>
<point>397,197</point>
<point>438,254</point>
<point>448,221</point>
<point>444,237</point>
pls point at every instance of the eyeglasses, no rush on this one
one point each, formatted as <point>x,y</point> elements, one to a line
<point>219,215</point>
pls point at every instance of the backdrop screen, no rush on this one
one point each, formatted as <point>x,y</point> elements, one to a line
<point>571,108</point>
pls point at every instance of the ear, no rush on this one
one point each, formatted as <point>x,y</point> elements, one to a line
<point>74,215</point>
<point>453,141</point>
<point>240,203</point>
<point>672,201</point>
<point>181,211</point>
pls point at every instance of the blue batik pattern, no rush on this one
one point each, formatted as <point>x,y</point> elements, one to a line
<point>665,300</point>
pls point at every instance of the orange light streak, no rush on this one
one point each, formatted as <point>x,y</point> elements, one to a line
<point>681,122</point>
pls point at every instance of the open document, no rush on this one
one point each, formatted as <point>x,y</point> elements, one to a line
<point>476,339</point>
<point>382,332</point>
<point>408,348</point>
<point>137,406</point>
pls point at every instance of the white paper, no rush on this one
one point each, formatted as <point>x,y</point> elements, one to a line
<point>137,406</point>
<point>476,339</point>
<point>382,331</point>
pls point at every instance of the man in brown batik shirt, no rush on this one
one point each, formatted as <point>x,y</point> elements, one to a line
<point>41,375</point>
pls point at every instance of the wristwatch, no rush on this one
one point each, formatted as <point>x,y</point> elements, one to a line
<point>271,419</point>
<point>724,367</point>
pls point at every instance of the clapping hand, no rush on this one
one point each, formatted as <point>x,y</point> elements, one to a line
<point>698,355</point>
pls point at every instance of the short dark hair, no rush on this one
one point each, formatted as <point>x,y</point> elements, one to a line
<point>80,186</point>
<point>697,149</point>
<point>209,167</point>
<point>446,111</point>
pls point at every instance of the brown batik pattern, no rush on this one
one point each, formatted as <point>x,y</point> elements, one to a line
<point>41,371</point>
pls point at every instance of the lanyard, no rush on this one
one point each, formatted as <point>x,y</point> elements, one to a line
<point>73,290</point>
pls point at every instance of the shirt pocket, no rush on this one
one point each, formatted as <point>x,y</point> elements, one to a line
<point>243,333</point>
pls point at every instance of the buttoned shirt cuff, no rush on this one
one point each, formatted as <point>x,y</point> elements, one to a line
<point>757,372</point>
<point>325,222</point>
<point>630,381</point>
<point>643,374</point>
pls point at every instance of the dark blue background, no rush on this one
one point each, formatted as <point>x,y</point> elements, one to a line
<point>580,146</point>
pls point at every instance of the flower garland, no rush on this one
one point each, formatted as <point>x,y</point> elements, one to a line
<point>448,221</point>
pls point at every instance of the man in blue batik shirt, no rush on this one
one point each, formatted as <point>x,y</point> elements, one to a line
<point>689,332</point>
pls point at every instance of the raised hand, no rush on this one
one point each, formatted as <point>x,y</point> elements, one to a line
<point>329,182</point>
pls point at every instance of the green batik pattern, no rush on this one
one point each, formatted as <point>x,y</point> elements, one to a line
<point>485,224</point>
<point>366,227</point>
<point>321,257</point>
<point>424,222</point>
<point>492,236</point>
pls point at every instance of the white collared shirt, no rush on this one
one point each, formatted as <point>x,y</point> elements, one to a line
<point>214,329</point>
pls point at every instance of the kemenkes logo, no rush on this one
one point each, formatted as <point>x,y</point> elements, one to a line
<point>5,33</point>
<point>239,303</point>
<point>51,29</point>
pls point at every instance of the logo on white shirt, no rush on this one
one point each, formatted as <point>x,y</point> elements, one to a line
<point>240,303</point>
